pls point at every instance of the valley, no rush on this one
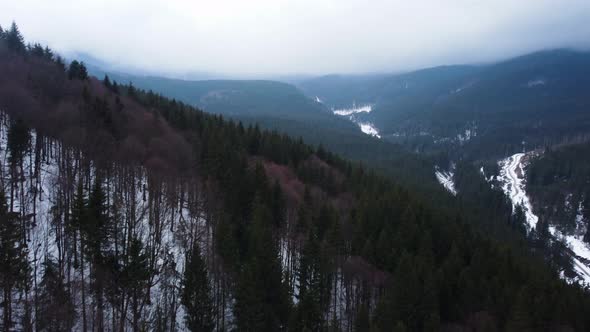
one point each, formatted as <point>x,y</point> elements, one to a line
<point>450,198</point>
<point>512,178</point>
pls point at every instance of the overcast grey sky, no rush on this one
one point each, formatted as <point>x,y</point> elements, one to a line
<point>272,37</point>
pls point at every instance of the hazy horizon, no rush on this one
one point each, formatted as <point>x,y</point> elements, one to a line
<point>265,38</point>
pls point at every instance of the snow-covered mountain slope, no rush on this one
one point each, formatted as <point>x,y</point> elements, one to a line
<point>167,215</point>
<point>166,218</point>
<point>512,179</point>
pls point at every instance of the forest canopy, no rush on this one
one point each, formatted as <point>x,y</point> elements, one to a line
<point>122,209</point>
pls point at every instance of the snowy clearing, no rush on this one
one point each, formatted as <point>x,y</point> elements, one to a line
<point>446,179</point>
<point>369,129</point>
<point>366,127</point>
<point>353,110</point>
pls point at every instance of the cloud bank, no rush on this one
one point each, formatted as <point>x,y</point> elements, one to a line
<point>275,37</point>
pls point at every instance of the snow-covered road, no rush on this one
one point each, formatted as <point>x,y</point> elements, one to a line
<point>512,178</point>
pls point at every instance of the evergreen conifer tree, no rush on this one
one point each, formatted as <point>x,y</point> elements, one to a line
<point>56,310</point>
<point>14,39</point>
<point>196,293</point>
<point>13,260</point>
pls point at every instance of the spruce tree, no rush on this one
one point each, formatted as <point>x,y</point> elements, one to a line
<point>77,70</point>
<point>14,39</point>
<point>310,279</point>
<point>19,138</point>
<point>96,236</point>
<point>135,277</point>
<point>83,74</point>
<point>13,260</point>
<point>196,293</point>
<point>56,310</point>
<point>107,82</point>
<point>262,300</point>
<point>97,223</point>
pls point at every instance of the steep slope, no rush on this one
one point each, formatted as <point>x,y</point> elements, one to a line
<point>109,193</point>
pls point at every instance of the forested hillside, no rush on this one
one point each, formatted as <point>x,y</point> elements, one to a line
<point>125,210</point>
<point>559,181</point>
<point>479,111</point>
<point>283,107</point>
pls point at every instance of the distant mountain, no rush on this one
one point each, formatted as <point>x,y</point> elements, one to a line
<point>477,121</point>
<point>486,110</point>
<point>284,107</point>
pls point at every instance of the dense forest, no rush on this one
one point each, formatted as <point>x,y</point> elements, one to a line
<point>283,107</point>
<point>121,209</point>
<point>559,181</point>
<point>479,111</point>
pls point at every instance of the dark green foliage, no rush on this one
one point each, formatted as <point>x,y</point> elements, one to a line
<point>196,293</point>
<point>18,140</point>
<point>536,98</point>
<point>262,302</point>
<point>425,265</point>
<point>559,181</point>
<point>134,278</point>
<point>282,107</point>
<point>107,82</point>
<point>13,259</point>
<point>56,308</point>
<point>384,216</point>
<point>313,279</point>
<point>14,39</point>
<point>96,226</point>
<point>77,70</point>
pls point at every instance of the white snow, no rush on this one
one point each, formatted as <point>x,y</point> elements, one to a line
<point>369,129</point>
<point>353,110</point>
<point>512,179</point>
<point>580,248</point>
<point>181,222</point>
<point>446,179</point>
<point>366,127</point>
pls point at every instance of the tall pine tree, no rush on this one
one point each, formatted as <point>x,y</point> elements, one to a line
<point>196,293</point>
<point>56,309</point>
<point>13,260</point>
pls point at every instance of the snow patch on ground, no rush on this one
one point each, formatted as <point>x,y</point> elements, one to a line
<point>353,110</point>
<point>181,221</point>
<point>582,251</point>
<point>446,179</point>
<point>366,127</point>
<point>512,179</point>
<point>369,129</point>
